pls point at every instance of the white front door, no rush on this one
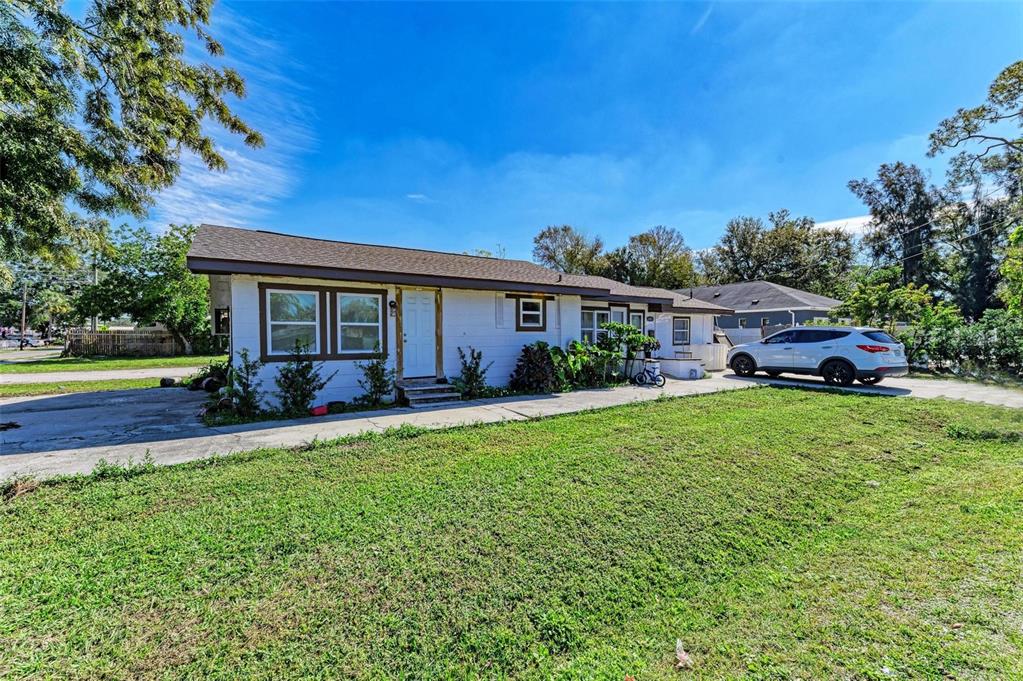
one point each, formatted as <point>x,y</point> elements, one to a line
<point>419,334</point>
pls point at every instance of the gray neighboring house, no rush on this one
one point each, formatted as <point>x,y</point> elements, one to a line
<point>760,304</point>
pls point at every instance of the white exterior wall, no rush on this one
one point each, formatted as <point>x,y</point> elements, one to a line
<point>485,320</point>
<point>245,334</point>
<point>701,339</point>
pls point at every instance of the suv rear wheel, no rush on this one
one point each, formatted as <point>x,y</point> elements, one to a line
<point>838,372</point>
<point>744,365</point>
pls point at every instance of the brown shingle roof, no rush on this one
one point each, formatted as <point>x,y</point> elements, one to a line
<point>217,249</point>
<point>676,301</point>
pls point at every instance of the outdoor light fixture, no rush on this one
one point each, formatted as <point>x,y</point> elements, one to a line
<point>393,305</point>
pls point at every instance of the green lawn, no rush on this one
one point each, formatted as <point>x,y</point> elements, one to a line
<point>88,364</point>
<point>25,389</point>
<point>778,533</point>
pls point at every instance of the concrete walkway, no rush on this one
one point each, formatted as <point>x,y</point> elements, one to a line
<point>104,375</point>
<point>70,433</point>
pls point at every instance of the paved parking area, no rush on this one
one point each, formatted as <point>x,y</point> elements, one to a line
<point>66,434</point>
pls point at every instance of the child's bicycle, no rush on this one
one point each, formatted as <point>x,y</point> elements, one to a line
<point>651,375</point>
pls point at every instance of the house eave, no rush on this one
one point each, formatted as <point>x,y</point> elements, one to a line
<point>200,265</point>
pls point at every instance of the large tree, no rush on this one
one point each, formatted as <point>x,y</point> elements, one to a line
<point>145,276</point>
<point>659,257</point>
<point>987,139</point>
<point>96,111</point>
<point>975,231</point>
<point>567,250</point>
<point>902,230</point>
<point>791,251</point>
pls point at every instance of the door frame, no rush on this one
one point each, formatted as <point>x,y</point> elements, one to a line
<point>438,301</point>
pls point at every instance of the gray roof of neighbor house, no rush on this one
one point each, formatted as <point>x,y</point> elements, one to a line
<point>750,296</point>
<point>230,250</point>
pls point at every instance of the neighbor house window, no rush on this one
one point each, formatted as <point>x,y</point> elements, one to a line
<point>293,316</point>
<point>680,331</point>
<point>222,321</point>
<point>742,322</point>
<point>530,314</point>
<point>636,319</point>
<point>618,314</point>
<point>360,320</point>
<point>765,321</point>
<point>591,321</point>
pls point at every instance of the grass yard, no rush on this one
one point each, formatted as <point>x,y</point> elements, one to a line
<point>28,389</point>
<point>779,533</point>
<point>103,364</point>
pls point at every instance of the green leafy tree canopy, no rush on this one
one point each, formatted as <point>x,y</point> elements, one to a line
<point>96,112</point>
<point>146,277</point>
<point>987,139</point>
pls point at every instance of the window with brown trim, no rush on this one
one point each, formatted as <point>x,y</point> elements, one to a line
<point>530,314</point>
<point>282,318</point>
<point>360,323</point>
<point>292,316</point>
<point>680,331</point>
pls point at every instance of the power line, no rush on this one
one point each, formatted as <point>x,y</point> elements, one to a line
<point>907,258</point>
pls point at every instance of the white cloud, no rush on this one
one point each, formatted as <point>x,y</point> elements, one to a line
<point>856,226</point>
<point>256,179</point>
<point>419,198</point>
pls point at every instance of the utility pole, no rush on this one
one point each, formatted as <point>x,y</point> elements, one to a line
<point>95,280</point>
<point>24,310</point>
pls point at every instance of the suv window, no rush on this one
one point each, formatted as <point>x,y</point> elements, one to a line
<point>818,335</point>
<point>879,337</point>
<point>783,337</point>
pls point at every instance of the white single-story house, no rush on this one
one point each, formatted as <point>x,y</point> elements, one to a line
<point>349,301</point>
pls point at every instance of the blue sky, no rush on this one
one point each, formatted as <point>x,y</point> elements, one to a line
<point>463,126</point>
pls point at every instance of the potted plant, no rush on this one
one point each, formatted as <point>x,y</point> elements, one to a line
<point>649,346</point>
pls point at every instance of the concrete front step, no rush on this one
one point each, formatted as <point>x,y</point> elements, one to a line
<point>431,399</point>
<point>425,389</point>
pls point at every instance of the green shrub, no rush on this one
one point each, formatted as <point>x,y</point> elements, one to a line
<point>535,371</point>
<point>472,380</point>
<point>990,346</point>
<point>377,380</point>
<point>215,369</point>
<point>298,381</point>
<point>243,384</point>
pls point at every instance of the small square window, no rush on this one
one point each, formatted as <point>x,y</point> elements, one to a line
<point>531,314</point>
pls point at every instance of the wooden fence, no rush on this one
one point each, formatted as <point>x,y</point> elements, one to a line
<point>122,343</point>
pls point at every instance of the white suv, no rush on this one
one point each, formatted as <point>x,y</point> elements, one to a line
<point>840,354</point>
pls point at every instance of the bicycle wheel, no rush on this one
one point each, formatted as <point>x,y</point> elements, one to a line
<point>659,380</point>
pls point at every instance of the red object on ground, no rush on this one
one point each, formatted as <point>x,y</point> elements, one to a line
<point>319,411</point>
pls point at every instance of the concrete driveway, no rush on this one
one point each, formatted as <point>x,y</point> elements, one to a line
<point>66,434</point>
